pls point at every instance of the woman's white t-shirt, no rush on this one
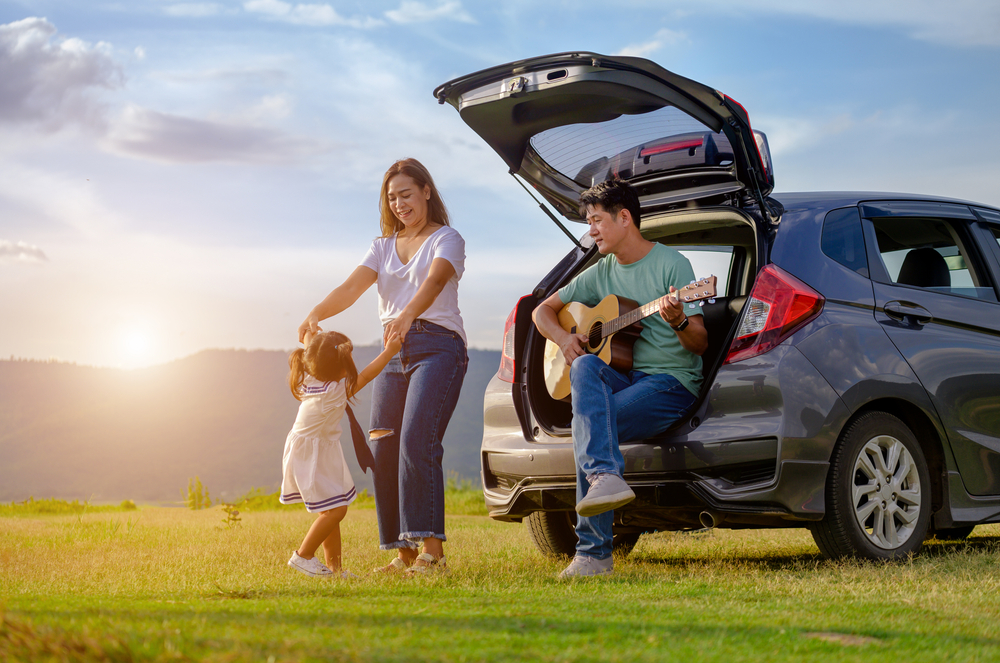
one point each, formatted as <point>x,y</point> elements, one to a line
<point>398,282</point>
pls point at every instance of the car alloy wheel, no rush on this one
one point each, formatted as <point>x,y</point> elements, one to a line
<point>878,498</point>
<point>886,492</point>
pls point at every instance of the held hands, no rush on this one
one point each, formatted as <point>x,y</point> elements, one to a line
<point>393,343</point>
<point>671,309</point>
<point>400,326</point>
<point>309,326</point>
<point>307,338</point>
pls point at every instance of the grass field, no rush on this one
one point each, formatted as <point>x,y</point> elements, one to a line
<point>174,584</point>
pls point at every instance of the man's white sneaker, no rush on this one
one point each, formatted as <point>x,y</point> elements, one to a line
<point>311,567</point>
<point>607,492</point>
<point>583,566</point>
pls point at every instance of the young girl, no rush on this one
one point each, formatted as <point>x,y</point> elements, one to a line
<point>323,377</point>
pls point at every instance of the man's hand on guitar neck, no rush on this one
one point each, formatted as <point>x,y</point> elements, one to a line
<point>671,309</point>
<point>690,331</point>
<point>545,317</point>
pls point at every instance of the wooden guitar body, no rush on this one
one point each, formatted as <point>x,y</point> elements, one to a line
<point>615,350</point>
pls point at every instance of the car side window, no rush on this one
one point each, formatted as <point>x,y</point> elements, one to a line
<point>930,254</point>
<point>843,239</point>
<point>711,260</point>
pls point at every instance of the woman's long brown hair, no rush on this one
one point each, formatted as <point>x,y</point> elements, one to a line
<point>436,210</point>
<point>328,359</point>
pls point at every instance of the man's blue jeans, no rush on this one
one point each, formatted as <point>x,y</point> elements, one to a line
<point>608,408</point>
<point>413,399</point>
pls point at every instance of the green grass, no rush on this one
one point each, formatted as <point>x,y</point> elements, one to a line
<point>461,498</point>
<point>49,506</point>
<point>176,584</point>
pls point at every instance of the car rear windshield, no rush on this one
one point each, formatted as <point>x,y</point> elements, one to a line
<point>632,145</point>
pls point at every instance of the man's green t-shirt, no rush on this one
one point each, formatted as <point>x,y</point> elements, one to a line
<point>657,350</point>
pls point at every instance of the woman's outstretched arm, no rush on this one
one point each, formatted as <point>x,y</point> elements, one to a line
<point>342,298</point>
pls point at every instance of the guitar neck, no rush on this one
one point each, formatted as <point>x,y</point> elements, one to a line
<point>632,317</point>
<point>696,291</point>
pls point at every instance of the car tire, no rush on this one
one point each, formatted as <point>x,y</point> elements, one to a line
<point>878,493</point>
<point>953,533</point>
<point>554,534</point>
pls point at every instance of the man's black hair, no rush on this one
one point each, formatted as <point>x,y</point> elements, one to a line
<point>613,196</point>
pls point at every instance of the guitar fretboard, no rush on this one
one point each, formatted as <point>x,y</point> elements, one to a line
<point>704,289</point>
<point>632,317</point>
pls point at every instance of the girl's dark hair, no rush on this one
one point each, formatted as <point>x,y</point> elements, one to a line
<point>436,211</point>
<point>328,358</point>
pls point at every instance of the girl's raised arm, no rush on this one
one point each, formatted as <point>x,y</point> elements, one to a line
<point>392,346</point>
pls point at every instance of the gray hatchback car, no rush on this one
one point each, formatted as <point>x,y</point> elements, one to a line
<point>852,383</point>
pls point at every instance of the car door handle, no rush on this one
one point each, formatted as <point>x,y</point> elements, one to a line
<point>907,311</point>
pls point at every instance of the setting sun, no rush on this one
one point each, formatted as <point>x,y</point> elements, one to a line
<point>138,347</point>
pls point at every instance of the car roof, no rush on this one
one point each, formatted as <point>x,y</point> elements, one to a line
<point>834,199</point>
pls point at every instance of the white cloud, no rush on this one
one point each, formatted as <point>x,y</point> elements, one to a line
<point>193,9</point>
<point>789,135</point>
<point>412,11</point>
<point>144,133</point>
<point>956,23</point>
<point>665,37</point>
<point>20,252</point>
<point>271,107</point>
<point>318,15</point>
<point>47,81</point>
<point>271,7</point>
<point>244,76</point>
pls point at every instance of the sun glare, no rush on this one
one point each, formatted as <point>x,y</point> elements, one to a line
<point>137,348</point>
<point>137,343</point>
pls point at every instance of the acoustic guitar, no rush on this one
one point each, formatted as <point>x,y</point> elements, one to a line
<point>613,326</point>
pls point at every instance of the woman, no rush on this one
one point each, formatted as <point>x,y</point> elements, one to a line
<point>416,263</point>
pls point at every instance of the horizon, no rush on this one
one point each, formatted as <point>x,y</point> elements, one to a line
<point>374,345</point>
<point>181,176</point>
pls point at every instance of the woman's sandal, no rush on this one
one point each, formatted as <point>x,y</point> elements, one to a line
<point>430,564</point>
<point>395,566</point>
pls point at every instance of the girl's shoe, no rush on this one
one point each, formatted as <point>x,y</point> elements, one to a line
<point>430,564</point>
<point>395,566</point>
<point>347,575</point>
<point>311,567</point>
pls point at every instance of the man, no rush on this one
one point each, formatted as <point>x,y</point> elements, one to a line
<point>611,407</point>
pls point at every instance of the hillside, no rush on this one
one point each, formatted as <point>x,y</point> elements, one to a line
<point>79,432</point>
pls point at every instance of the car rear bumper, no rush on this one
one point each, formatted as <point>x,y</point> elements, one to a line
<point>751,455</point>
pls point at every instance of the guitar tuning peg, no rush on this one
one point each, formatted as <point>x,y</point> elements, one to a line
<point>701,303</point>
<point>712,300</point>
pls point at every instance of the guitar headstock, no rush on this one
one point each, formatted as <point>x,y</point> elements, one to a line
<point>698,291</point>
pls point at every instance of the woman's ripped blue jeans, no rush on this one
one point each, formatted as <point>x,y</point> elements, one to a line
<point>412,401</point>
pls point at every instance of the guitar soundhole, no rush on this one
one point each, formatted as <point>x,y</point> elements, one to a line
<point>595,336</point>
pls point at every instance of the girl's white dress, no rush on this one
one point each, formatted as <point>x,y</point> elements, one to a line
<point>313,466</point>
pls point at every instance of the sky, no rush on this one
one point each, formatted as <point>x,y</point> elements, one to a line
<point>177,176</point>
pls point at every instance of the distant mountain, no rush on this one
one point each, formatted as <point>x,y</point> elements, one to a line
<point>78,432</point>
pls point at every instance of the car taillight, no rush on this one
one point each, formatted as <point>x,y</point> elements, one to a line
<point>506,372</point>
<point>779,304</point>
